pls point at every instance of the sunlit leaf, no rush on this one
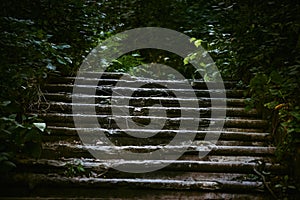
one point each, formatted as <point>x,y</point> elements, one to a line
<point>68,59</point>
<point>51,67</point>
<point>198,43</point>
<point>186,60</point>
<point>61,61</point>
<point>40,126</point>
<point>5,103</point>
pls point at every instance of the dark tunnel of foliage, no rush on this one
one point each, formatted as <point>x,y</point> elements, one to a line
<point>256,42</point>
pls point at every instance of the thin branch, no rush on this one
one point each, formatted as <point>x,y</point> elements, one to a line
<point>265,183</point>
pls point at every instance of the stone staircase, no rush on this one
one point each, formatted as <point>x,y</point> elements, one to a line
<point>67,169</point>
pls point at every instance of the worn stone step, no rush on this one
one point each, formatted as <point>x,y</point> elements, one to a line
<point>57,153</point>
<point>174,166</point>
<point>229,134</point>
<point>61,107</point>
<point>107,75</point>
<point>60,167</point>
<point>196,84</point>
<point>41,180</point>
<point>202,102</point>
<point>162,136</point>
<point>144,92</point>
<point>73,150</point>
<point>57,125</point>
<point>123,139</point>
<point>108,120</point>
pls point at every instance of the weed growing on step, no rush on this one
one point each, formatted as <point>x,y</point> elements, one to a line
<point>74,169</point>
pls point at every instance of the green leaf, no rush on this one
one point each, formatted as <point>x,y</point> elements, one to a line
<point>135,55</point>
<point>292,187</point>
<point>40,126</point>
<point>193,39</point>
<point>198,43</point>
<point>117,61</point>
<point>68,60</point>
<point>61,61</point>
<point>24,117</point>
<point>5,103</point>
<point>51,67</point>
<point>6,166</point>
<point>12,116</point>
<point>202,64</point>
<point>186,60</point>
<point>3,158</point>
<point>63,46</point>
<point>206,78</point>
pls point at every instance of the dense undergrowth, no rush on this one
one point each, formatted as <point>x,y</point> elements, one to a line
<point>256,42</point>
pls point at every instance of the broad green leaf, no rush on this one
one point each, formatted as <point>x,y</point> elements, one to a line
<point>40,126</point>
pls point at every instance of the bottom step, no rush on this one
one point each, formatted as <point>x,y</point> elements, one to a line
<point>57,186</point>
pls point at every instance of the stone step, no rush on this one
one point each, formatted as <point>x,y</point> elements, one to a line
<point>108,120</point>
<point>144,92</point>
<point>60,166</point>
<point>121,137</point>
<point>67,150</point>
<point>176,167</point>
<point>135,101</point>
<point>61,107</point>
<point>124,139</point>
<point>89,127</point>
<point>196,84</point>
<point>101,184</point>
